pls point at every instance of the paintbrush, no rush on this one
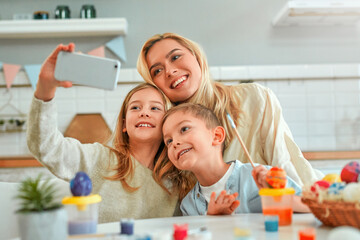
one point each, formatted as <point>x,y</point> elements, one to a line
<point>240,140</point>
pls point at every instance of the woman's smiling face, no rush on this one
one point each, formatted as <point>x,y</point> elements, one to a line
<point>174,69</point>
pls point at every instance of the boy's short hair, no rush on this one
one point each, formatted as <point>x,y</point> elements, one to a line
<point>199,111</point>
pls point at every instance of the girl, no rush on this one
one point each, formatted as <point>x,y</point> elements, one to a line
<point>121,174</point>
<point>179,68</point>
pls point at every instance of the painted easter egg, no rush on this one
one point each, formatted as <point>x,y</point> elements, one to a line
<point>351,172</point>
<point>336,188</point>
<point>332,178</point>
<point>320,185</point>
<point>352,192</point>
<point>344,232</point>
<point>276,177</point>
<point>81,184</point>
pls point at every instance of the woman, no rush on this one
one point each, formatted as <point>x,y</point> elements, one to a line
<point>123,173</point>
<point>179,68</point>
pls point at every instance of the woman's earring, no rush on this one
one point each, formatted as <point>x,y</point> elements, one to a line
<point>124,130</point>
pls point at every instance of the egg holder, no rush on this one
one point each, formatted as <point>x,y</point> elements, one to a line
<point>334,213</point>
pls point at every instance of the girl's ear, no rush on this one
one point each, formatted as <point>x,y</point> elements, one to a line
<point>219,135</point>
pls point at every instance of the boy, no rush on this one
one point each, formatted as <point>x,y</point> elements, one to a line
<point>195,142</point>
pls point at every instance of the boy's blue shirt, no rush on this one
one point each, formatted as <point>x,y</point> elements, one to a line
<point>240,181</point>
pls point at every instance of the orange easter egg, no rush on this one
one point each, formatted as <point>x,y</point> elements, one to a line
<point>276,177</point>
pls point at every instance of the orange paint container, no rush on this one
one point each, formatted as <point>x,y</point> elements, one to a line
<point>278,202</point>
<point>307,234</point>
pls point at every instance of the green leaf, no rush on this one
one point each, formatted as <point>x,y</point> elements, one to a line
<point>36,195</point>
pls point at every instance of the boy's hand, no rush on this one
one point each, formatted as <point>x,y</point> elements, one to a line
<point>225,204</point>
<point>259,175</point>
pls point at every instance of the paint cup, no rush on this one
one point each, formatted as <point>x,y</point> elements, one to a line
<point>242,234</point>
<point>82,213</point>
<point>271,223</point>
<point>278,202</point>
<point>180,232</point>
<point>307,234</point>
<point>127,226</point>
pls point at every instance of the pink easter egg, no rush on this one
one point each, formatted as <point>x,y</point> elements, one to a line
<point>350,172</point>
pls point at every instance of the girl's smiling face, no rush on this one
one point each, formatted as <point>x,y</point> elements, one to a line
<point>174,69</point>
<point>144,115</point>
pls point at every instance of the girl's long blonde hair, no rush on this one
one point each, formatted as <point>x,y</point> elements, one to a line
<point>216,96</point>
<point>121,145</point>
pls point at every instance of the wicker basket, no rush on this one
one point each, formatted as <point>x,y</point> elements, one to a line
<point>335,213</point>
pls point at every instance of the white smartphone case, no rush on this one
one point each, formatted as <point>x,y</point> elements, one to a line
<point>87,70</point>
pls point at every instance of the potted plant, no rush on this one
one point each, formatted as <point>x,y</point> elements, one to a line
<point>2,125</point>
<point>10,124</point>
<point>20,124</point>
<point>40,217</point>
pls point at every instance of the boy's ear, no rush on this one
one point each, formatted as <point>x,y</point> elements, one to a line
<point>219,135</point>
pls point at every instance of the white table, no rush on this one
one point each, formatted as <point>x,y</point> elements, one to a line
<point>222,227</point>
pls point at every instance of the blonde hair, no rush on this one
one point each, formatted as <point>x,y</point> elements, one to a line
<point>121,145</point>
<point>221,99</point>
<point>181,181</point>
<point>197,110</point>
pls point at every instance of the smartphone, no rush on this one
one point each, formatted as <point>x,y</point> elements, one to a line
<point>87,70</point>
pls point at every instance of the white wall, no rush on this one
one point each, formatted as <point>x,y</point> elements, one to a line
<point>321,103</point>
<point>232,32</point>
<point>323,114</point>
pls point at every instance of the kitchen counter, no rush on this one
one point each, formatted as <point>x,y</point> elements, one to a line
<point>14,169</point>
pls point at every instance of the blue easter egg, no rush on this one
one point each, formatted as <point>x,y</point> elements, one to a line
<point>81,184</point>
<point>336,188</point>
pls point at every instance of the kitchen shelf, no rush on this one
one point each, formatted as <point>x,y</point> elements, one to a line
<point>52,28</point>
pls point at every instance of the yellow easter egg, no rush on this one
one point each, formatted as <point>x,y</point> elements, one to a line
<point>332,178</point>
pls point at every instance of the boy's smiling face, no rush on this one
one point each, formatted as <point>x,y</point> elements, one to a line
<point>188,140</point>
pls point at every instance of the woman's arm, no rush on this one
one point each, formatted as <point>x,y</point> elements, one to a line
<point>298,206</point>
<point>279,145</point>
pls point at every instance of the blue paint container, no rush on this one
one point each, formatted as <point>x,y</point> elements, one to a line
<point>127,226</point>
<point>271,223</point>
<point>142,237</point>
